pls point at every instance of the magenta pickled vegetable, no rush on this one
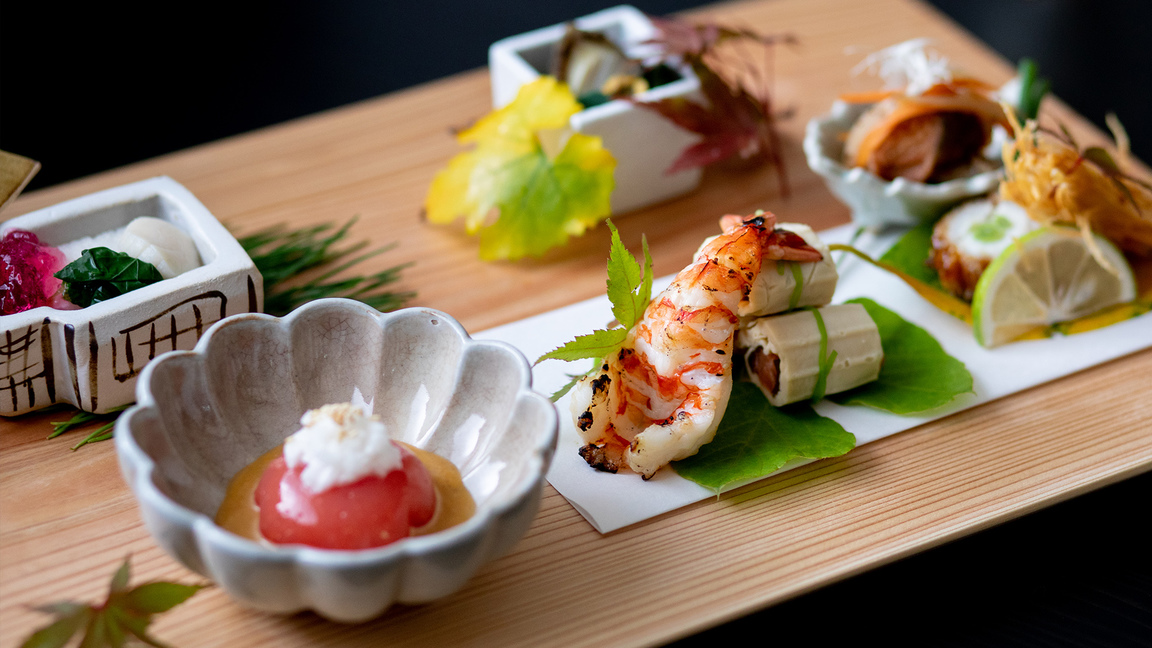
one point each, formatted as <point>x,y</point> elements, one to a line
<point>26,269</point>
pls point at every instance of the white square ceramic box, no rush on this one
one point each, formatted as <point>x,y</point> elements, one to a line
<point>644,143</point>
<point>91,357</point>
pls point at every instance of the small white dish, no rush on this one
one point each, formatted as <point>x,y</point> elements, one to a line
<point>877,203</point>
<point>644,143</point>
<point>91,357</point>
<point>204,414</point>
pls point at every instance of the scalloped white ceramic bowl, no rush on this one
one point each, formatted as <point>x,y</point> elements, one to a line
<point>204,414</point>
<point>877,203</point>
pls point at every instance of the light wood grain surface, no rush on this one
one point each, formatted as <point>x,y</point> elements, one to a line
<point>67,519</point>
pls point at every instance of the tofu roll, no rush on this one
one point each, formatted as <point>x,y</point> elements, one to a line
<point>810,353</point>
<point>786,285</point>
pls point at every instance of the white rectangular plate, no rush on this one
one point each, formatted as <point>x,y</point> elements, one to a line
<point>610,502</point>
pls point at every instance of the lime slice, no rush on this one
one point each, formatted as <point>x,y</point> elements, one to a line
<point>1048,276</point>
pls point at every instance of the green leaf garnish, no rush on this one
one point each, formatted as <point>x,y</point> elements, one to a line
<point>910,255</point>
<point>917,374</point>
<point>126,612</point>
<point>1032,90</point>
<point>102,273</point>
<point>629,291</point>
<point>756,439</point>
<point>573,379</point>
<point>598,344</point>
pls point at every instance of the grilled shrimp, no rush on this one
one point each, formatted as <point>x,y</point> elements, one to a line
<point>661,397</point>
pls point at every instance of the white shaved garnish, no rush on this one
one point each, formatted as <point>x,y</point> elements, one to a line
<point>909,66</point>
<point>340,444</point>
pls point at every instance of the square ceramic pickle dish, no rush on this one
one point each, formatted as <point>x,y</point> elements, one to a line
<point>90,357</point>
<point>644,143</point>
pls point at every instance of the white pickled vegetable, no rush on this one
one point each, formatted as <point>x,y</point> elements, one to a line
<point>790,358</point>
<point>592,64</point>
<point>160,243</point>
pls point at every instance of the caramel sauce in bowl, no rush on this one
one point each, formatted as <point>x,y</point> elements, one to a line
<point>239,514</point>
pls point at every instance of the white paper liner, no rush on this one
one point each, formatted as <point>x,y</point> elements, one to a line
<point>610,502</point>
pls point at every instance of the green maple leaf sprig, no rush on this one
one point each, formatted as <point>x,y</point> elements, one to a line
<point>629,290</point>
<point>126,613</point>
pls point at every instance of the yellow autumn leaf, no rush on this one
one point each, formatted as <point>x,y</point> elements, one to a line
<point>509,189</point>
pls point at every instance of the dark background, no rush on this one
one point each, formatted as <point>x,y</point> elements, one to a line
<point>99,85</point>
<point>89,88</point>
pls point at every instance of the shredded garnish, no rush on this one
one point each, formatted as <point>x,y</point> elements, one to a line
<point>909,66</point>
<point>1059,182</point>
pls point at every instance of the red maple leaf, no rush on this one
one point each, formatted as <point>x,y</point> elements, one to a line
<point>738,119</point>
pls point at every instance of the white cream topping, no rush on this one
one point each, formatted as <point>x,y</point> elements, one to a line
<point>340,444</point>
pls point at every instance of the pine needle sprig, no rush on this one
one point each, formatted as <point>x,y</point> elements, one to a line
<point>81,419</point>
<point>283,255</point>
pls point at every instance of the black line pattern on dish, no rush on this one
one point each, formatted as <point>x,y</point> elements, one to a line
<point>252,306</point>
<point>21,369</point>
<point>163,333</point>
<point>70,349</point>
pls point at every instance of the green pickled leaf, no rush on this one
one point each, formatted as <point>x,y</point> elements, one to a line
<point>102,273</point>
<point>756,439</point>
<point>573,379</point>
<point>571,383</point>
<point>917,374</point>
<point>910,254</point>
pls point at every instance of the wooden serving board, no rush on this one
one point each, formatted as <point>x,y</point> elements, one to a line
<point>67,519</point>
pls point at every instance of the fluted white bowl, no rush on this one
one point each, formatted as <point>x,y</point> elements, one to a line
<point>204,414</point>
<point>877,203</point>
